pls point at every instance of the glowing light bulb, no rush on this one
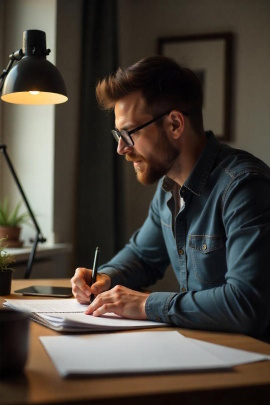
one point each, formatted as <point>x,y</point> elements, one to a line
<point>34,93</point>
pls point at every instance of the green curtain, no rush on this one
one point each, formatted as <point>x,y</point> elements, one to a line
<point>98,183</point>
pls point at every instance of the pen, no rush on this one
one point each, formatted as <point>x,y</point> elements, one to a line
<point>94,272</point>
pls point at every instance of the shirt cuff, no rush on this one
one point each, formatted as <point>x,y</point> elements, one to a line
<point>157,306</point>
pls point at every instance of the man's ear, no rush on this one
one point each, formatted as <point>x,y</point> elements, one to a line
<point>177,123</point>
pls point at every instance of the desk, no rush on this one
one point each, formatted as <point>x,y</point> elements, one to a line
<point>41,384</point>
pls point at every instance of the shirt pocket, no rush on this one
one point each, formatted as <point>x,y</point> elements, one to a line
<point>208,256</point>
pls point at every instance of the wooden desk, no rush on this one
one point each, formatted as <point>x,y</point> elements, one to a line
<point>41,384</point>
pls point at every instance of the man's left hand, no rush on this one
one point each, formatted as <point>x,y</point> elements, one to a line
<point>121,301</point>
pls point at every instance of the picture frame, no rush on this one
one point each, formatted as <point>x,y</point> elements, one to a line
<point>210,57</point>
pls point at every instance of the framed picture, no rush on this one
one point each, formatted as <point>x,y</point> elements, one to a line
<point>210,57</point>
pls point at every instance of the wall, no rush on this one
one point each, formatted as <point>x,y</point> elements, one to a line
<point>141,22</point>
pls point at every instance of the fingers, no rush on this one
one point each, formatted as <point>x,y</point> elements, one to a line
<point>81,282</point>
<point>103,283</point>
<point>80,285</point>
<point>104,302</point>
<point>121,301</point>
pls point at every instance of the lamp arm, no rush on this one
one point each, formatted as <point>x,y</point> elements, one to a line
<point>15,56</point>
<point>39,236</point>
<point>32,256</point>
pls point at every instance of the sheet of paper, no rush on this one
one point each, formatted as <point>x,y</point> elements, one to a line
<point>46,305</point>
<point>233,357</point>
<point>129,353</point>
<point>102,323</point>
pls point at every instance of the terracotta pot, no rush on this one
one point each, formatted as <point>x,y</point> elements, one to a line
<point>12,235</point>
<point>5,281</point>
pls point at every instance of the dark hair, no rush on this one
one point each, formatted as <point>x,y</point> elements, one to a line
<point>165,85</point>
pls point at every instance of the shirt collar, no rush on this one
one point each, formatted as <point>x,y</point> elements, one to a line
<point>202,169</point>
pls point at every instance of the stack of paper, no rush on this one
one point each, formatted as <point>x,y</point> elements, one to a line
<point>68,316</point>
<point>139,352</point>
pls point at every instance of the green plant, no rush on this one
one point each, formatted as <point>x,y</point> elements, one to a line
<point>10,217</point>
<point>5,257</point>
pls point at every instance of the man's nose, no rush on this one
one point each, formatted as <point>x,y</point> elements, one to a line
<point>122,147</point>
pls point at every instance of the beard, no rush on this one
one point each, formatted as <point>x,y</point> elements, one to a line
<point>157,163</point>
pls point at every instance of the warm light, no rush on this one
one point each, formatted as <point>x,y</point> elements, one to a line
<point>40,98</point>
<point>34,93</point>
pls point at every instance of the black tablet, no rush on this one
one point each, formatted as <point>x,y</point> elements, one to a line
<point>46,291</point>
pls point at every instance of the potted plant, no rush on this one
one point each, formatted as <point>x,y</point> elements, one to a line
<point>10,223</point>
<point>5,271</point>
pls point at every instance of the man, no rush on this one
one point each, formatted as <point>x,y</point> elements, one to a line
<point>209,218</point>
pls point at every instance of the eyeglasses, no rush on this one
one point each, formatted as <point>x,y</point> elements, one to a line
<point>126,135</point>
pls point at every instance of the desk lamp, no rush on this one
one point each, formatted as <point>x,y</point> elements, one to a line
<point>32,81</point>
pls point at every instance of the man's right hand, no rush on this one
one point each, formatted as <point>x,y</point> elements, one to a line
<point>81,282</point>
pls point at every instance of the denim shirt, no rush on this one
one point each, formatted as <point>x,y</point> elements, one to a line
<point>218,245</point>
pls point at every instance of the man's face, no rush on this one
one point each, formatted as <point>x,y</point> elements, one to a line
<point>152,153</point>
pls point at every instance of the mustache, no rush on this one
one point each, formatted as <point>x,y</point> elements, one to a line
<point>132,157</point>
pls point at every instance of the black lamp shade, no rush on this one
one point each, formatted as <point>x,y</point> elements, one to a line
<point>34,80</point>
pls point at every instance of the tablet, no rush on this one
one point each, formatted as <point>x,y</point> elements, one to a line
<point>46,291</point>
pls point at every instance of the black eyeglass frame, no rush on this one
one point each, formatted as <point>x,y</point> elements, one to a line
<point>126,135</point>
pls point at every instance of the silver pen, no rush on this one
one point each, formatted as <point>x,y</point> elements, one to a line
<point>94,272</point>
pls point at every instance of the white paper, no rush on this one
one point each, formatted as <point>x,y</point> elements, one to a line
<point>233,357</point>
<point>46,305</point>
<point>136,352</point>
<point>68,315</point>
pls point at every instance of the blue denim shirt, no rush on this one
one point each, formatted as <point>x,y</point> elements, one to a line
<point>218,245</point>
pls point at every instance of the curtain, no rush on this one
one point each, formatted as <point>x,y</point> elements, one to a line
<point>98,182</point>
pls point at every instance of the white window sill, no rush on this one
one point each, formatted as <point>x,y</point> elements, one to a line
<point>43,251</point>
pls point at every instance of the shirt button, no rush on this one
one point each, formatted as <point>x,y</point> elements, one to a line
<point>183,289</point>
<point>181,251</point>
